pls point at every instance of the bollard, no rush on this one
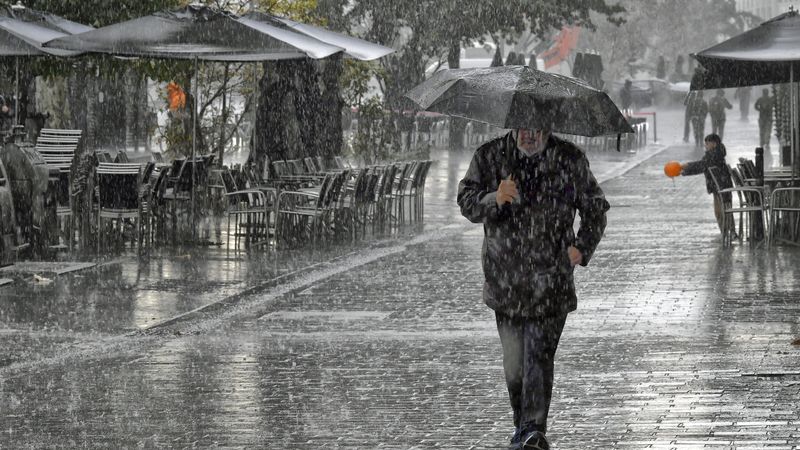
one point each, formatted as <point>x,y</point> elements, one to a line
<point>760,166</point>
<point>786,156</point>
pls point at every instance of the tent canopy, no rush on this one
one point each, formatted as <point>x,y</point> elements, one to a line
<point>195,32</point>
<point>23,31</point>
<point>353,47</point>
<point>763,55</point>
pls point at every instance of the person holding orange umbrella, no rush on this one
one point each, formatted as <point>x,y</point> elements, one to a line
<point>714,157</point>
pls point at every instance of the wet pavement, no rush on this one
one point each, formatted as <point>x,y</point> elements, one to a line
<point>676,343</point>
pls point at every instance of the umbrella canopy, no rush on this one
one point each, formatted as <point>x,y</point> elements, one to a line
<point>353,47</point>
<point>47,20</point>
<point>195,32</point>
<point>763,55</point>
<point>23,31</point>
<point>11,45</point>
<point>521,97</point>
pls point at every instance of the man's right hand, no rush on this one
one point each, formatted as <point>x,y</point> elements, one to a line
<point>507,191</point>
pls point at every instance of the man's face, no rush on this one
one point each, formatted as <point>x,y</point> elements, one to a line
<point>531,141</point>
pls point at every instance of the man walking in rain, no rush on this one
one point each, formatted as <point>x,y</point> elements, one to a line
<point>525,188</point>
<point>743,94</point>
<point>698,110</point>
<point>716,109</point>
<point>687,114</point>
<point>764,105</point>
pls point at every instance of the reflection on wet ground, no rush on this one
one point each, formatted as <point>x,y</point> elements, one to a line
<point>677,343</point>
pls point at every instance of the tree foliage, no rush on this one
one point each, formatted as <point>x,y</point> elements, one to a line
<point>425,30</point>
<point>670,29</point>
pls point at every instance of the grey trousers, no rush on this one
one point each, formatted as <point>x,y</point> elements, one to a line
<point>529,349</point>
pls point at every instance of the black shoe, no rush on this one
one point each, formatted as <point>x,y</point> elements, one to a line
<point>535,440</point>
<point>515,440</point>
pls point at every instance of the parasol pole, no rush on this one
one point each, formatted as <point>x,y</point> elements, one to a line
<point>16,94</point>
<point>793,116</point>
<point>194,146</point>
<point>255,110</point>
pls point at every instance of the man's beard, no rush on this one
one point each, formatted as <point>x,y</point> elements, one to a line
<point>535,147</point>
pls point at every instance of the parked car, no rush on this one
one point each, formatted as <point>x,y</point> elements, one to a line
<point>644,92</point>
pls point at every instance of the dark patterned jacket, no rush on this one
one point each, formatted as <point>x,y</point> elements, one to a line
<point>526,266</point>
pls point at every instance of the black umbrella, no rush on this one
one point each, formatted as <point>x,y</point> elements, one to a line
<point>521,97</point>
<point>769,53</point>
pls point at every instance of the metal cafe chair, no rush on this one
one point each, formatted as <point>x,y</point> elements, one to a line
<point>750,203</point>
<point>177,195</point>
<point>784,214</point>
<point>419,190</point>
<point>251,210</point>
<point>57,148</point>
<point>310,213</point>
<point>119,197</point>
<point>383,199</point>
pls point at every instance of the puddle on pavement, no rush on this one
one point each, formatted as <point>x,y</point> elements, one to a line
<point>337,316</point>
<point>45,267</point>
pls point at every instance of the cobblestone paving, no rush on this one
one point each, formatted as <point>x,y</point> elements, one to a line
<point>677,343</point>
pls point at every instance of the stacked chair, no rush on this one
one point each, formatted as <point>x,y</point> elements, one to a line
<point>295,204</point>
<point>747,203</point>
<point>57,148</point>
<point>317,205</point>
<point>250,209</point>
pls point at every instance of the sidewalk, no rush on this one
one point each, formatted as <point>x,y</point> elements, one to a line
<point>677,343</point>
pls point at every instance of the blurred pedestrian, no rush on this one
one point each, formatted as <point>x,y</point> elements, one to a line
<point>687,114</point>
<point>698,110</point>
<point>626,97</point>
<point>713,159</point>
<point>743,95</point>
<point>765,105</point>
<point>716,109</point>
<point>6,114</point>
<point>525,188</point>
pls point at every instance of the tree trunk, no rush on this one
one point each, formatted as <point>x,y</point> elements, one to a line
<point>276,123</point>
<point>331,108</point>
<point>457,125</point>
<point>130,89</point>
<point>142,111</point>
<point>89,132</point>
<point>308,101</point>
<point>224,118</point>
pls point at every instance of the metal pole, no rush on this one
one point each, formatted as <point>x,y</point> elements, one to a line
<point>255,110</point>
<point>792,116</point>
<point>194,145</point>
<point>655,128</point>
<point>16,96</point>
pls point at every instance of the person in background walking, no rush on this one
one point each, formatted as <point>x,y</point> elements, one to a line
<point>698,110</point>
<point>716,109</point>
<point>6,114</point>
<point>764,105</point>
<point>743,95</point>
<point>525,188</point>
<point>626,97</point>
<point>687,114</point>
